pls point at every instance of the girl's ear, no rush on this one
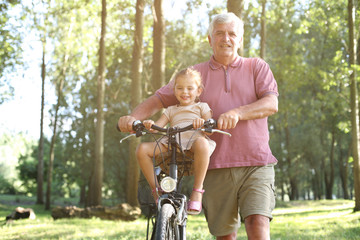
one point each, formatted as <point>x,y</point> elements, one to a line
<point>197,99</point>
<point>200,90</point>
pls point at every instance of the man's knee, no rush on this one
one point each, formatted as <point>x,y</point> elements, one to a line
<point>231,236</point>
<point>257,227</point>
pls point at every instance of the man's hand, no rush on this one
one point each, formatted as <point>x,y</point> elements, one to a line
<point>228,120</point>
<point>125,123</point>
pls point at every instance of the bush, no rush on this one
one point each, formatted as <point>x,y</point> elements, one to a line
<point>6,187</point>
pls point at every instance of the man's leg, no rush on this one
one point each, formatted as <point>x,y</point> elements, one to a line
<point>220,203</point>
<point>257,227</point>
<point>231,236</point>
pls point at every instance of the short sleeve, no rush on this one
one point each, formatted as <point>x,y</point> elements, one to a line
<point>265,82</point>
<point>204,108</point>
<point>167,112</point>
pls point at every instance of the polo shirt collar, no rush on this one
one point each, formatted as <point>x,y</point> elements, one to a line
<point>215,65</point>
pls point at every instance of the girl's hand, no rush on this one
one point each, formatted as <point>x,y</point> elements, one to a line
<point>198,123</point>
<point>148,124</point>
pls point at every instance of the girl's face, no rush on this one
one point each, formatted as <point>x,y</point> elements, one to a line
<point>186,90</point>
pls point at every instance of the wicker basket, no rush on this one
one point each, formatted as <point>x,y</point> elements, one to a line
<point>184,162</point>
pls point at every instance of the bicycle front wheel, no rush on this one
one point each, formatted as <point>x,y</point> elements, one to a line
<point>166,227</point>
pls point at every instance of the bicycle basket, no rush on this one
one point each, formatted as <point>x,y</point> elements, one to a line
<point>184,162</point>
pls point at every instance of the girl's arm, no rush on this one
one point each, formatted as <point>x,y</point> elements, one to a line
<point>197,123</point>
<point>161,122</point>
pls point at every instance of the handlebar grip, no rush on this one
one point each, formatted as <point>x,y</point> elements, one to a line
<point>210,123</point>
<point>158,128</point>
<point>137,125</point>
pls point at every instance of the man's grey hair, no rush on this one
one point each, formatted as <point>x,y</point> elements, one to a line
<point>226,18</point>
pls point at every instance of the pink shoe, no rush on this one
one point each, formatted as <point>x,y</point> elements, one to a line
<point>194,207</point>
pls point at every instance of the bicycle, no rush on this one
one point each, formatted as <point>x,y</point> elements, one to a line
<point>170,212</point>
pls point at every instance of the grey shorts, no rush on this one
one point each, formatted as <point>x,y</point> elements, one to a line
<point>232,194</point>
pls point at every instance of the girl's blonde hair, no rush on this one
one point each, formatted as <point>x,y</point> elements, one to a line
<point>191,73</point>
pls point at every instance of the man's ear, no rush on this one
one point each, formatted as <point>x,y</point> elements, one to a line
<point>209,38</point>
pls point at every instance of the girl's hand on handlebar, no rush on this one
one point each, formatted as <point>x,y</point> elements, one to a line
<point>148,124</point>
<point>198,123</point>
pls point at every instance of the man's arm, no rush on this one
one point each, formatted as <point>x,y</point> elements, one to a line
<point>143,111</point>
<point>264,107</point>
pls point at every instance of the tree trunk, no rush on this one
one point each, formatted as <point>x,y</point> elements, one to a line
<point>263,30</point>
<point>53,139</point>
<point>237,7</point>
<point>136,70</point>
<point>316,184</point>
<point>95,194</point>
<point>343,169</point>
<point>354,104</point>
<point>40,166</point>
<point>158,64</point>
<point>329,177</point>
<point>292,177</point>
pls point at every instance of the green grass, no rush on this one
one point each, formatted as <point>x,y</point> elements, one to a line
<point>296,220</point>
<point>323,219</point>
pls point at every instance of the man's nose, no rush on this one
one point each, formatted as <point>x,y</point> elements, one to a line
<point>226,36</point>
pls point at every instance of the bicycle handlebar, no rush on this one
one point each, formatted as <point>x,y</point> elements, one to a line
<point>209,126</point>
<point>139,126</point>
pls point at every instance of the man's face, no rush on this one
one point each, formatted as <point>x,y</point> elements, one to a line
<point>225,41</point>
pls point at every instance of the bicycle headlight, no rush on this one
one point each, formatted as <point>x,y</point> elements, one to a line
<point>168,184</point>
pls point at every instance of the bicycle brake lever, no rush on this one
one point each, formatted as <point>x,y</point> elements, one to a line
<point>215,130</point>
<point>222,132</point>
<point>137,134</point>
<point>128,136</point>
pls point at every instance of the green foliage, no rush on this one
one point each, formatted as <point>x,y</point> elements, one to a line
<point>6,187</point>
<point>10,40</point>
<point>12,148</point>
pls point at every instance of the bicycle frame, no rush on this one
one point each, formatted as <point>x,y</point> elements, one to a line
<point>173,201</point>
<point>175,198</point>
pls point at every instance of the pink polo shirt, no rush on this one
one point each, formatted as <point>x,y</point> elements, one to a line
<point>243,82</point>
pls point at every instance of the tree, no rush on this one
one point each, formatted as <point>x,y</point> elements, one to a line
<point>136,70</point>
<point>95,192</point>
<point>158,64</point>
<point>10,40</point>
<point>60,86</point>
<point>237,7</point>
<point>263,30</point>
<point>40,166</point>
<point>354,104</point>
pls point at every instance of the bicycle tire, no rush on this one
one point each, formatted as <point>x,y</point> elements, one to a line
<point>166,227</point>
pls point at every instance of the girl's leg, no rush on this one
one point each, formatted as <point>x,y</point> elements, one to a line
<point>144,155</point>
<point>201,151</point>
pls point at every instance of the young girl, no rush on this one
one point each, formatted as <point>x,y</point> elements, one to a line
<point>187,89</point>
